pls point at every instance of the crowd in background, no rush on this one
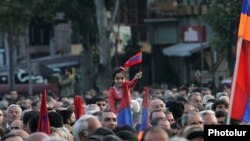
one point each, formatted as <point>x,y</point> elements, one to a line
<point>175,113</point>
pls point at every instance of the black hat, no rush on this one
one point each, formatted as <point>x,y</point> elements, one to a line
<point>100,133</point>
<point>195,134</point>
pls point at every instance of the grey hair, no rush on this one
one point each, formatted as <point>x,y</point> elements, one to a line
<point>81,125</point>
<point>178,139</point>
<point>91,107</point>
<point>207,112</point>
<point>192,94</point>
<point>14,105</point>
<point>54,139</point>
<point>185,117</point>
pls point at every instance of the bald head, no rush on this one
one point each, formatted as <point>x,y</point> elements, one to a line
<point>38,136</point>
<point>14,138</point>
<point>16,124</point>
<point>157,104</point>
<point>21,133</point>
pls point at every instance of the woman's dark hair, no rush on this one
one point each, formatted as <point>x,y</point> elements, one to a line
<point>124,128</point>
<point>219,102</point>
<point>219,114</point>
<point>66,114</point>
<point>127,135</point>
<point>28,115</point>
<point>33,123</point>
<point>177,109</point>
<point>55,119</point>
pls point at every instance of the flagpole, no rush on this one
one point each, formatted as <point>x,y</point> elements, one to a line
<point>232,92</point>
<point>140,64</point>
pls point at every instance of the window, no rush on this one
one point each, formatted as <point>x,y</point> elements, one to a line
<point>40,33</point>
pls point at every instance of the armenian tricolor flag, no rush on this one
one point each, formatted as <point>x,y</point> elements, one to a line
<point>145,114</point>
<point>136,59</point>
<point>240,91</point>
<point>124,114</point>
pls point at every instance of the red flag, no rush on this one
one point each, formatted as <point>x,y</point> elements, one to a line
<point>240,92</point>
<point>43,124</point>
<point>79,111</point>
<point>136,59</point>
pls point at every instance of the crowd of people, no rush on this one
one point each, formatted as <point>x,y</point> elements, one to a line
<point>175,113</point>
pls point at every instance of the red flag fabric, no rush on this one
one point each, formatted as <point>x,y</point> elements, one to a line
<point>241,93</point>
<point>79,110</point>
<point>43,123</point>
<point>242,89</point>
<point>136,59</point>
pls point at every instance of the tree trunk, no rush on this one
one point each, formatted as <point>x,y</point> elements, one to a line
<point>103,78</point>
<point>86,77</point>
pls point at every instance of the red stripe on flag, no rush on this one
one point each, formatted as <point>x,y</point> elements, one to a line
<point>242,89</point>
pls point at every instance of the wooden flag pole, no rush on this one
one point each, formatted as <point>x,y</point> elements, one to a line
<point>140,66</point>
<point>232,92</point>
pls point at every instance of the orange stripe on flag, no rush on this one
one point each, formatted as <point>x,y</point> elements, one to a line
<point>139,135</point>
<point>242,24</point>
<point>247,29</point>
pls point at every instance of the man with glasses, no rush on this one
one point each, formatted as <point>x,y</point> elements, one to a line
<point>16,124</point>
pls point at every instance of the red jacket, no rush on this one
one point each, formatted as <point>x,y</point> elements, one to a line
<point>118,101</point>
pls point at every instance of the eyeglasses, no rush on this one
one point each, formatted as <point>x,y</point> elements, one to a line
<point>14,128</point>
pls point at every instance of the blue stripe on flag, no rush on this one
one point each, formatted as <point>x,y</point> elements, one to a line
<point>125,117</point>
<point>136,58</point>
<point>245,6</point>
<point>246,117</point>
<point>144,120</point>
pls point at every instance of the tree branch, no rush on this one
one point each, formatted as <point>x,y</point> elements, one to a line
<point>115,12</point>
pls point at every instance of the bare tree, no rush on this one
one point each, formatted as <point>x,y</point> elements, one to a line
<point>105,27</point>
